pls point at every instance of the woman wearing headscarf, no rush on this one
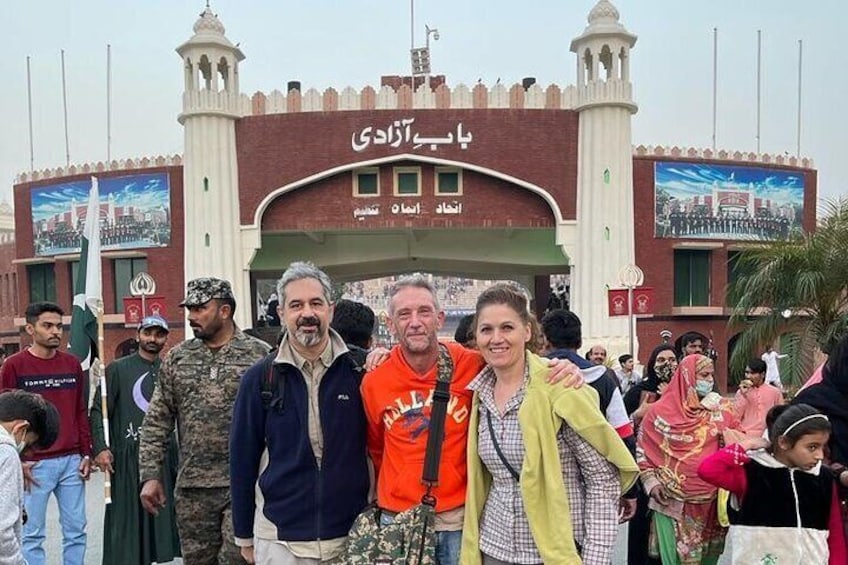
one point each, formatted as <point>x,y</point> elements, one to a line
<point>658,372</point>
<point>687,424</point>
<point>830,397</point>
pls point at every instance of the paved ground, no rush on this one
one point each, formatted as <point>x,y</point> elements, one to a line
<point>94,509</point>
<point>94,512</point>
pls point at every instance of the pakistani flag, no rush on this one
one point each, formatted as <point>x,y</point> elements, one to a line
<point>88,289</point>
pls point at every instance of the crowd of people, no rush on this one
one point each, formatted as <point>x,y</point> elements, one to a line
<point>229,451</point>
<point>682,224</point>
<point>127,232</point>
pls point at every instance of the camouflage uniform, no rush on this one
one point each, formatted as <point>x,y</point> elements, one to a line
<point>196,389</point>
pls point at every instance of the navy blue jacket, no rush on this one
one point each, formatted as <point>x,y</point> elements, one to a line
<point>304,501</point>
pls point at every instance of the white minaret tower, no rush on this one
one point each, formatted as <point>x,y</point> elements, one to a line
<point>605,241</point>
<point>210,168</point>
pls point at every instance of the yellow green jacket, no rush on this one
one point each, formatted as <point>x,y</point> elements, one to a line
<point>544,409</point>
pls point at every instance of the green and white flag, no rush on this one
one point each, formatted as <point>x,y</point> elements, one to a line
<point>88,291</point>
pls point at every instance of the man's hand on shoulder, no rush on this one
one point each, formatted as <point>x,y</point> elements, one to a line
<point>565,372</point>
<point>376,357</point>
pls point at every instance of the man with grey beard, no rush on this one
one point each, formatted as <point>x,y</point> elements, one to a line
<point>298,468</point>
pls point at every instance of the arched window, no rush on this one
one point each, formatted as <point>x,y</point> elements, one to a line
<point>205,68</point>
<point>587,63</point>
<point>190,77</point>
<point>605,58</point>
<point>224,71</point>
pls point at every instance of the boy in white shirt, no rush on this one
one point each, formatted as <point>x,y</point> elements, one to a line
<point>26,420</point>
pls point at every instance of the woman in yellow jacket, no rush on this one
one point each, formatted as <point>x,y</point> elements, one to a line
<point>545,469</point>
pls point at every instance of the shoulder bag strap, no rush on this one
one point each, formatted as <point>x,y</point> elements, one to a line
<point>497,446</point>
<point>436,430</point>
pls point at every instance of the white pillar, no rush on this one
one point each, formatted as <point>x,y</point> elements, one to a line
<point>212,223</point>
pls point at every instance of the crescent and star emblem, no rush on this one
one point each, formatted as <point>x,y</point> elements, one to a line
<point>138,396</point>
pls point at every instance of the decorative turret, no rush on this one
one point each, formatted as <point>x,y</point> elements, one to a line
<point>210,170</point>
<point>211,69</point>
<point>605,231</point>
<point>603,59</point>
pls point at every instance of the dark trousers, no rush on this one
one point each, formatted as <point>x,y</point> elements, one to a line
<point>638,532</point>
<point>205,522</point>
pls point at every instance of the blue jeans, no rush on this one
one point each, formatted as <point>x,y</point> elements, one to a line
<point>59,476</point>
<point>448,544</point>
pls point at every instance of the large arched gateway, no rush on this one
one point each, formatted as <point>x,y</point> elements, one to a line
<point>485,182</point>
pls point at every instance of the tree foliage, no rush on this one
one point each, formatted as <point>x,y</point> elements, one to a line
<point>798,288</point>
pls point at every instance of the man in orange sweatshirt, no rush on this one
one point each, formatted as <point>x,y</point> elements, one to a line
<point>397,397</point>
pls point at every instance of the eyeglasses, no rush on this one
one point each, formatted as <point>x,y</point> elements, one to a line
<point>749,372</point>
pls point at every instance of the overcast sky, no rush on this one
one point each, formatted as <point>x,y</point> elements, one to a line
<point>341,43</point>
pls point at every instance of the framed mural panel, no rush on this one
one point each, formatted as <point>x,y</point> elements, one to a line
<point>135,212</point>
<point>726,202</point>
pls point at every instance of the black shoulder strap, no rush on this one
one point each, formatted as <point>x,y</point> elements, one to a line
<point>271,383</point>
<point>436,431</point>
<point>497,446</point>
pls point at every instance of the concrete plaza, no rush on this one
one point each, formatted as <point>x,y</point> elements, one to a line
<point>94,511</point>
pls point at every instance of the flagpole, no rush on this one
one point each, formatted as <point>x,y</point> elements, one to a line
<point>108,105</point>
<point>65,107</point>
<point>100,370</point>
<point>715,83</point>
<point>800,55</point>
<point>29,104</point>
<point>759,80</point>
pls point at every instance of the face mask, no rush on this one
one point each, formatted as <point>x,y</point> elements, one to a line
<point>22,445</point>
<point>665,372</point>
<point>703,388</point>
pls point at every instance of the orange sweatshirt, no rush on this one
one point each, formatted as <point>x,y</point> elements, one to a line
<point>397,405</point>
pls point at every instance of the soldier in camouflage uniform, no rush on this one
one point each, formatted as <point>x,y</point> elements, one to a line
<point>197,386</point>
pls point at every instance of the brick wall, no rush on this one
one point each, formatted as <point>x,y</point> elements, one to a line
<point>164,264</point>
<point>656,258</point>
<point>536,146</point>
<point>656,255</point>
<point>486,201</point>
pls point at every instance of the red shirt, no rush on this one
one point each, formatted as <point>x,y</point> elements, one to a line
<point>61,381</point>
<point>397,406</point>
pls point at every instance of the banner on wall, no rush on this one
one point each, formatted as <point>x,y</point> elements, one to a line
<point>134,212</point>
<point>643,301</point>
<point>134,312</point>
<point>725,202</point>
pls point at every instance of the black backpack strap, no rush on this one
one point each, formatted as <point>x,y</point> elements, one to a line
<point>358,368</point>
<point>273,388</point>
<point>436,431</point>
